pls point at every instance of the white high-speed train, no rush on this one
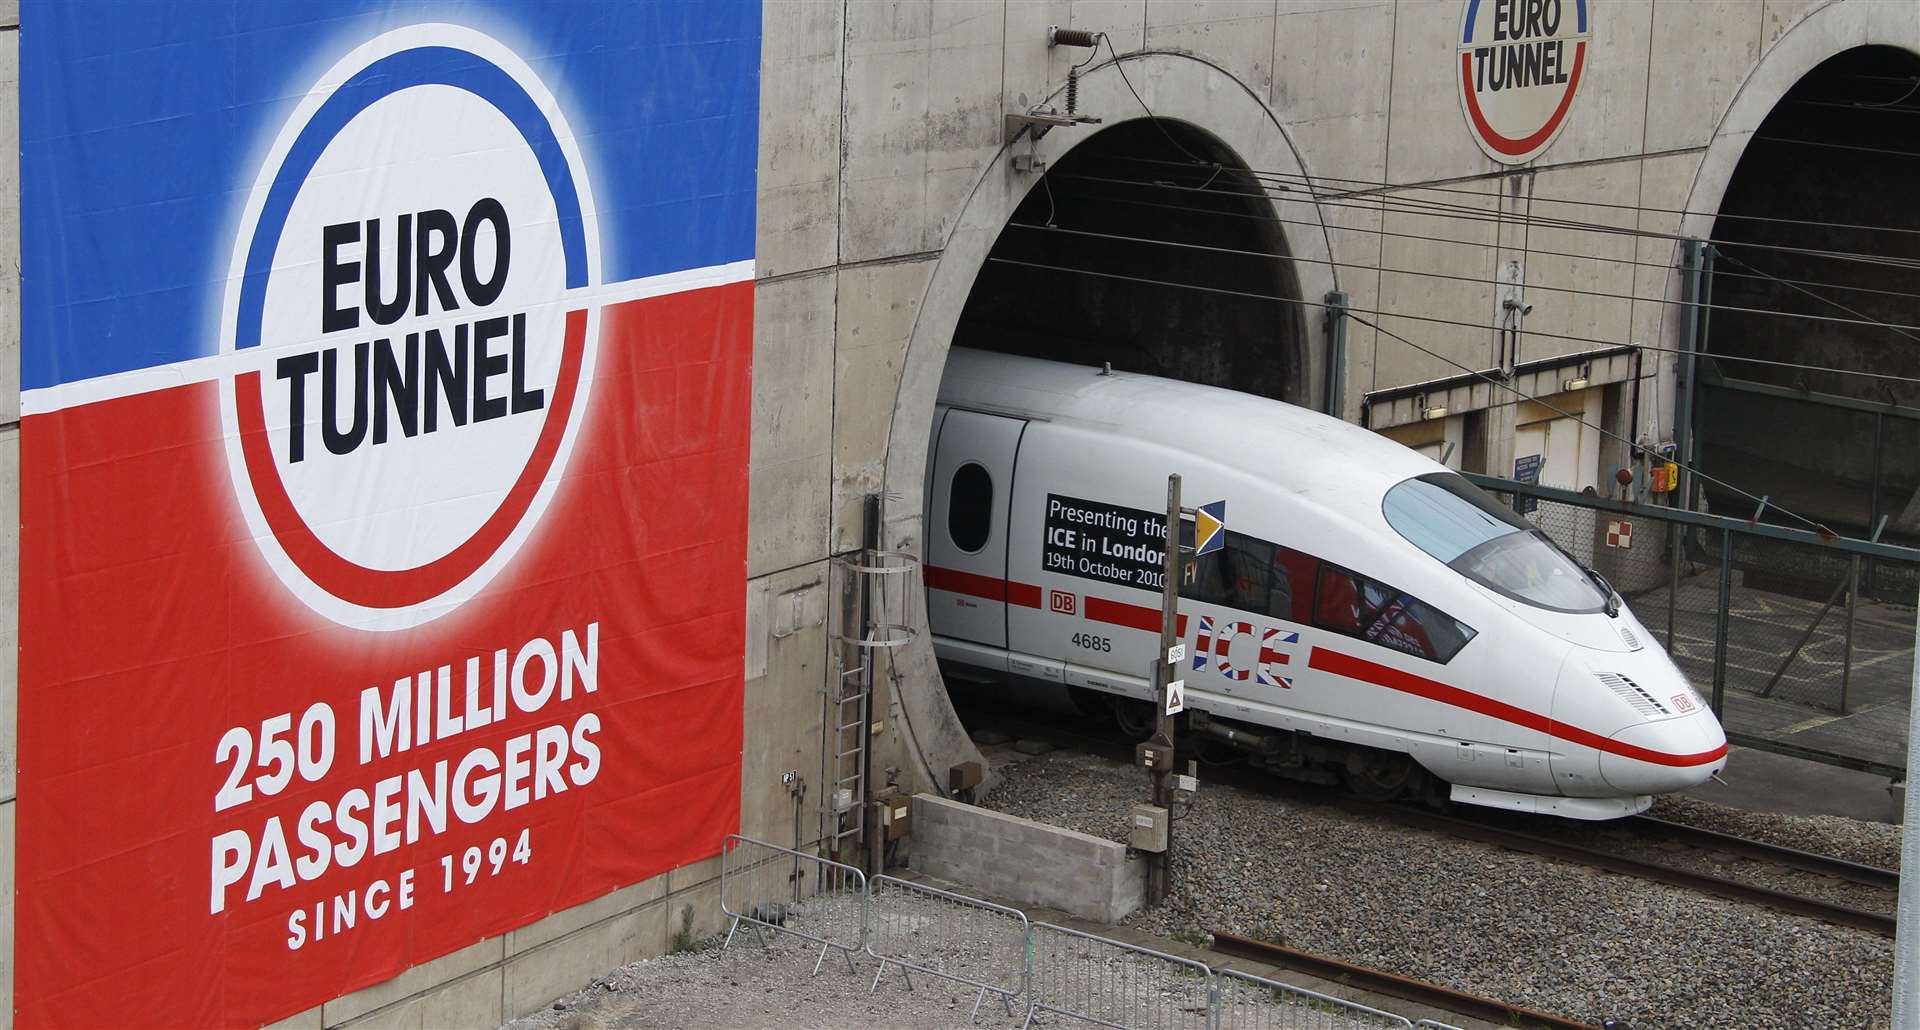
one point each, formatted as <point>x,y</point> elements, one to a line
<point>1373,617</point>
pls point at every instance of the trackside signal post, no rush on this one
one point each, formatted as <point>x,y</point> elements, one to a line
<point>1156,754</point>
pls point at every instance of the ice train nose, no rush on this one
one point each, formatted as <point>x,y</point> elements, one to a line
<point>1665,756</point>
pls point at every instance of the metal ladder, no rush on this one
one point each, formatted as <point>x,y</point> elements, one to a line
<point>846,717</point>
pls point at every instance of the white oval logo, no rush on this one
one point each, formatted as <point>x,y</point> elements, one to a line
<point>1520,64</point>
<point>411,374</point>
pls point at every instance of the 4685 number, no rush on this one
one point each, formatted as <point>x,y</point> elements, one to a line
<point>1092,643</point>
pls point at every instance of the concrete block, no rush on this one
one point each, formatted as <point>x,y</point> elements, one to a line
<point>308,1020</point>
<point>798,218</point>
<point>1309,40</point>
<point>1665,183</point>
<point>412,982</point>
<point>471,1001</point>
<point>1704,50</point>
<point>884,147</point>
<point>1599,262</point>
<point>1780,15</point>
<point>535,977</point>
<point>793,344</point>
<point>1237,35</point>
<point>1608,117</point>
<point>787,513</point>
<point>1429,138</point>
<point>792,422</point>
<point>704,902</point>
<point>566,921</point>
<point>1028,862</point>
<point>693,874</point>
<point>10,613</point>
<point>783,708</point>
<point>877,310</point>
<point>1416,261</point>
<point>1124,21</point>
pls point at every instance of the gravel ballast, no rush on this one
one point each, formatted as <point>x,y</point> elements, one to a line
<point>1551,936</point>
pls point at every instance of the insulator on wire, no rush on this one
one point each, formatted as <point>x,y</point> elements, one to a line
<point>1073,91</point>
<point>1057,36</point>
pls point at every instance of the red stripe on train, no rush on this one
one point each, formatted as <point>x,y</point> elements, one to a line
<point>1409,683</point>
<point>973,584</point>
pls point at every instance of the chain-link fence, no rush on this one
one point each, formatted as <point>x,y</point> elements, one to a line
<point>1777,626</point>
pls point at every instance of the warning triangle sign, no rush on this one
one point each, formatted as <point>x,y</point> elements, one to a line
<point>1176,697</point>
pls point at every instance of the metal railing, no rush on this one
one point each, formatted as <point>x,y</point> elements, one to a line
<point>1248,1002</point>
<point>768,888</point>
<point>924,929</point>
<point>1111,983</point>
<point>1766,620</point>
<point>998,951</point>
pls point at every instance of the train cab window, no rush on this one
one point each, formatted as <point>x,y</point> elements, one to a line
<point>1483,540</point>
<point>1365,608</point>
<point>970,507</point>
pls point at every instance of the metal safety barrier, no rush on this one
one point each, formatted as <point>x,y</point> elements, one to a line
<point>768,888</point>
<point>917,928</point>
<point>998,951</point>
<point>1247,1002</point>
<point>1104,981</point>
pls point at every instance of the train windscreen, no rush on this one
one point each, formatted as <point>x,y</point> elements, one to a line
<point>1477,536</point>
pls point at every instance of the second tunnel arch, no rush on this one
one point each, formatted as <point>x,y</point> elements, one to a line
<point>1175,87</point>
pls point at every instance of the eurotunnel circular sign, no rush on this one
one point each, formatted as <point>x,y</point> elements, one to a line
<point>1520,64</point>
<point>409,373</point>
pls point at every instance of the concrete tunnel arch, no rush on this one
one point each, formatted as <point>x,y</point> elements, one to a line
<point>929,737</point>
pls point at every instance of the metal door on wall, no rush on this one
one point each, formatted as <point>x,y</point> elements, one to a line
<point>972,483</point>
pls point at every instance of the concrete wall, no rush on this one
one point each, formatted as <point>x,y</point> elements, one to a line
<point>1026,862</point>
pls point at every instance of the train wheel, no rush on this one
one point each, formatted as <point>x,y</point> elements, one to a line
<point>1379,775</point>
<point>1136,719</point>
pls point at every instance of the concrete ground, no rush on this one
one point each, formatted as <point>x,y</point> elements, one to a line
<point>1762,781</point>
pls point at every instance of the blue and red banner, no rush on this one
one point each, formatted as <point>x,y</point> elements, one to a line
<point>386,403</point>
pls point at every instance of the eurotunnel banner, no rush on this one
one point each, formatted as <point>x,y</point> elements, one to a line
<point>386,391</point>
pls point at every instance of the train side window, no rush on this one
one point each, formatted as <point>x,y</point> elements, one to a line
<point>1367,609</point>
<point>1254,575</point>
<point>970,507</point>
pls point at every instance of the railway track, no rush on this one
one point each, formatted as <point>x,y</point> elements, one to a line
<point>1109,746</point>
<point>1792,858</point>
<point>1704,883</point>
<point>1392,985</point>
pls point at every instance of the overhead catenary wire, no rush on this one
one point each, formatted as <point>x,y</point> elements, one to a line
<point>1368,188</point>
<point>1629,262</point>
<point>1356,314</point>
<point>1503,219</point>
<point>1380,313</point>
<point>1861,320</point>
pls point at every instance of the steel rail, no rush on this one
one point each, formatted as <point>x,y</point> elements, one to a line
<point>1746,847</point>
<point>1379,981</point>
<point>1719,886</point>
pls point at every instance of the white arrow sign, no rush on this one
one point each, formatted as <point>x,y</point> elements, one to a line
<point>1176,697</point>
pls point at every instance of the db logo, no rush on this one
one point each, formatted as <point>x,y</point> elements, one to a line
<point>410,357</point>
<point>1062,602</point>
<point>1683,703</point>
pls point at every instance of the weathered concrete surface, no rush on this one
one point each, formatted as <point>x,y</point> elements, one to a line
<point>1028,862</point>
